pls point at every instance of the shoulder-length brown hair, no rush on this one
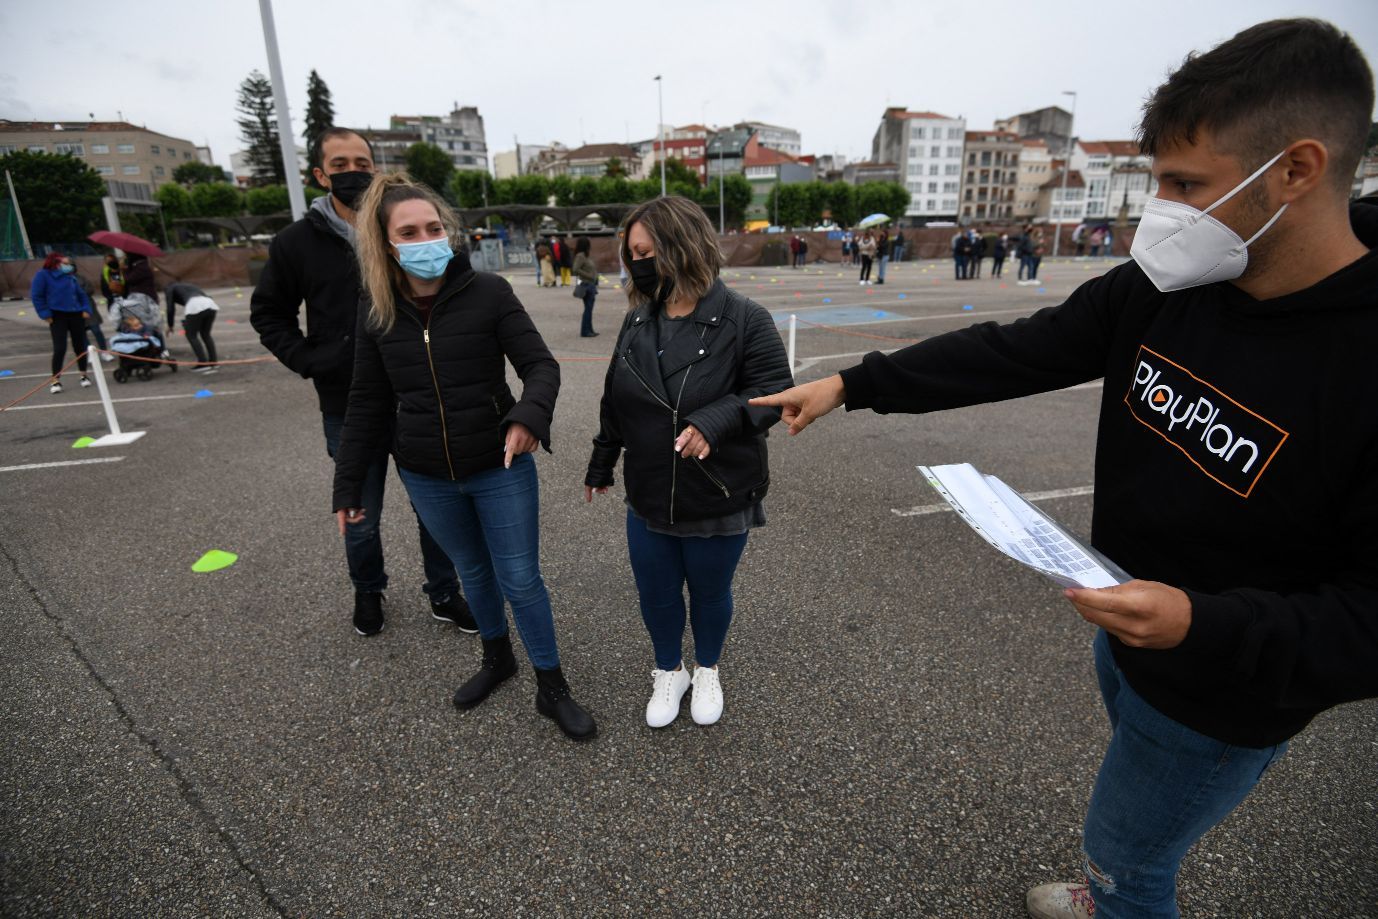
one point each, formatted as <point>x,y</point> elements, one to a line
<point>686,246</point>
<point>381,275</point>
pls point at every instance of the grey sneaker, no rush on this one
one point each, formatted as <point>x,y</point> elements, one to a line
<point>1060,901</point>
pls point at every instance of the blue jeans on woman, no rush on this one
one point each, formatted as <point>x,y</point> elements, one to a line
<point>489,524</point>
<point>590,295</point>
<point>364,544</point>
<point>1161,787</point>
<point>661,565</point>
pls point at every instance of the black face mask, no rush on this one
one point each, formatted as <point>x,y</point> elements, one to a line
<point>645,279</point>
<point>346,187</point>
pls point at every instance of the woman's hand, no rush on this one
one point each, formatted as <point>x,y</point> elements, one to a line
<point>519,440</point>
<point>85,315</point>
<point>691,443</point>
<point>350,515</point>
<point>49,320</point>
<point>590,491</point>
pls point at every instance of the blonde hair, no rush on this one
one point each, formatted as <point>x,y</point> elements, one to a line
<point>686,246</point>
<point>382,277</point>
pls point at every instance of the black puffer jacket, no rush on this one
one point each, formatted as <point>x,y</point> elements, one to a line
<point>309,262</point>
<point>731,353</point>
<point>445,384</point>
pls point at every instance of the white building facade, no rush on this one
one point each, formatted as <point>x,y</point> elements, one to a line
<point>928,148</point>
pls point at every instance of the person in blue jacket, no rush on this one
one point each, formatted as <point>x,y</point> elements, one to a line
<point>60,301</point>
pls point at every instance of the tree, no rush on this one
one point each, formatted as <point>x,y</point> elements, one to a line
<point>194,172</point>
<point>614,168</point>
<point>841,197</point>
<point>562,190</point>
<point>889,198</point>
<point>267,199</point>
<point>216,199</point>
<point>175,199</point>
<point>258,129</point>
<point>430,165</point>
<point>472,188</point>
<point>58,194</point>
<point>736,198</point>
<point>320,115</point>
<point>528,189</point>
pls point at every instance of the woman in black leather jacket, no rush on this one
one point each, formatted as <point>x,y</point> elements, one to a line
<point>690,354</point>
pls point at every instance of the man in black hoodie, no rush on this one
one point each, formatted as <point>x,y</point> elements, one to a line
<point>1237,451</point>
<point>312,261</point>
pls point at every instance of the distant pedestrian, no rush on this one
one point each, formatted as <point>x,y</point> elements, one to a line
<point>898,255</point>
<point>1097,238</point>
<point>93,322</point>
<point>566,262</point>
<point>111,280</point>
<point>997,266</point>
<point>59,301</point>
<point>794,251</point>
<point>882,255</point>
<point>1024,251</point>
<point>138,277</point>
<point>978,253</point>
<point>1079,240</point>
<point>545,258</point>
<point>586,273</point>
<point>1108,243</point>
<point>961,255</point>
<point>867,247</point>
<point>803,252</point>
<point>197,318</point>
<point>690,354</point>
<point>1035,257</point>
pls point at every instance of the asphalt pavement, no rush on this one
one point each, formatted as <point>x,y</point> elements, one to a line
<point>912,725</point>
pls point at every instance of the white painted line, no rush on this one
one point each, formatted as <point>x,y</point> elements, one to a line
<point>219,392</point>
<point>1032,496</point>
<point>86,462</point>
<point>804,319</point>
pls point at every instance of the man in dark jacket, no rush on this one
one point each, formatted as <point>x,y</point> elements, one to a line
<point>312,261</point>
<point>1237,462</point>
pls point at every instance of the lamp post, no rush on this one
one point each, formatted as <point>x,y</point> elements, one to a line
<point>660,97</point>
<point>721,178</point>
<point>1066,168</point>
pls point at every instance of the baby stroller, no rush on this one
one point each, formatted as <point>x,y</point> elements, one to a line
<point>129,346</point>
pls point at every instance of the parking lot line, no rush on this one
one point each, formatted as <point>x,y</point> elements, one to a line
<point>189,395</point>
<point>85,462</point>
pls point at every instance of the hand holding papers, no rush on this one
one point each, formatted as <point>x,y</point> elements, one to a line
<point>1018,529</point>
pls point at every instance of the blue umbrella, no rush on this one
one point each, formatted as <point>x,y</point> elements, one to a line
<point>874,220</point>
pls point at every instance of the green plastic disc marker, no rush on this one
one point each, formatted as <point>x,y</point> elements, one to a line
<point>214,560</point>
<point>82,442</point>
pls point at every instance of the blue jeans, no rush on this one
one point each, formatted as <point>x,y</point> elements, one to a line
<point>364,544</point>
<point>880,272</point>
<point>661,565</point>
<point>1161,787</point>
<point>489,523</point>
<point>586,326</point>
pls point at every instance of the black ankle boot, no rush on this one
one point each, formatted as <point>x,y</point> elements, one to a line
<point>498,665</point>
<point>553,700</point>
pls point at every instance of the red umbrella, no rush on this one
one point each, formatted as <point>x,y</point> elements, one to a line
<point>126,241</point>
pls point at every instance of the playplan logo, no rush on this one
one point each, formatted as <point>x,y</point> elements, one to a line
<point>1225,440</point>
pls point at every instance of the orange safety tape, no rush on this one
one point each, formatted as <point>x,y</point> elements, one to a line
<point>47,382</point>
<point>157,360</point>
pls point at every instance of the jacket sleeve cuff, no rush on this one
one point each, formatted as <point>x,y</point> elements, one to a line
<point>1217,624</point>
<point>858,391</point>
<point>531,418</point>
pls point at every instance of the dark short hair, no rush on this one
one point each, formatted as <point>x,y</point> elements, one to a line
<point>1270,85</point>
<point>582,245</point>
<point>331,134</point>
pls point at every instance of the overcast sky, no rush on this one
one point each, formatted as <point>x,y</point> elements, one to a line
<point>583,72</point>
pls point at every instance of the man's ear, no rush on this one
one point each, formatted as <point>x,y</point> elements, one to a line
<point>1306,166</point>
<point>320,177</point>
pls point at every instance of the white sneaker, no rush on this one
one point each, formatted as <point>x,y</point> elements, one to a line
<point>56,387</point>
<point>670,687</point>
<point>1060,901</point>
<point>706,706</point>
<point>85,383</point>
<point>107,358</point>
<point>861,283</point>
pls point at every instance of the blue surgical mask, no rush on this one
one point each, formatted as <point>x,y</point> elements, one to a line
<point>67,269</point>
<point>425,260</point>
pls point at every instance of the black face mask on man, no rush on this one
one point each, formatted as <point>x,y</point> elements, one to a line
<point>645,279</point>
<point>346,187</point>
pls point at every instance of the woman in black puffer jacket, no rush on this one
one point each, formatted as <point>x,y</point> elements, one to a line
<point>690,354</point>
<point>432,342</point>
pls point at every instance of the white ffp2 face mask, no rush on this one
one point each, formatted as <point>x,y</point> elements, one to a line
<point>1178,246</point>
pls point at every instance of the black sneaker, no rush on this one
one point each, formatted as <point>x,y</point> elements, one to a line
<point>368,612</point>
<point>456,610</point>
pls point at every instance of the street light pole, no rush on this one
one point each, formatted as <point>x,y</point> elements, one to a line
<point>660,96</point>
<point>1066,168</point>
<point>721,178</point>
<point>286,138</point>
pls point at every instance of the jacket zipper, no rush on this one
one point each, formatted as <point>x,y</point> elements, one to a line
<point>714,479</point>
<point>435,381</point>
